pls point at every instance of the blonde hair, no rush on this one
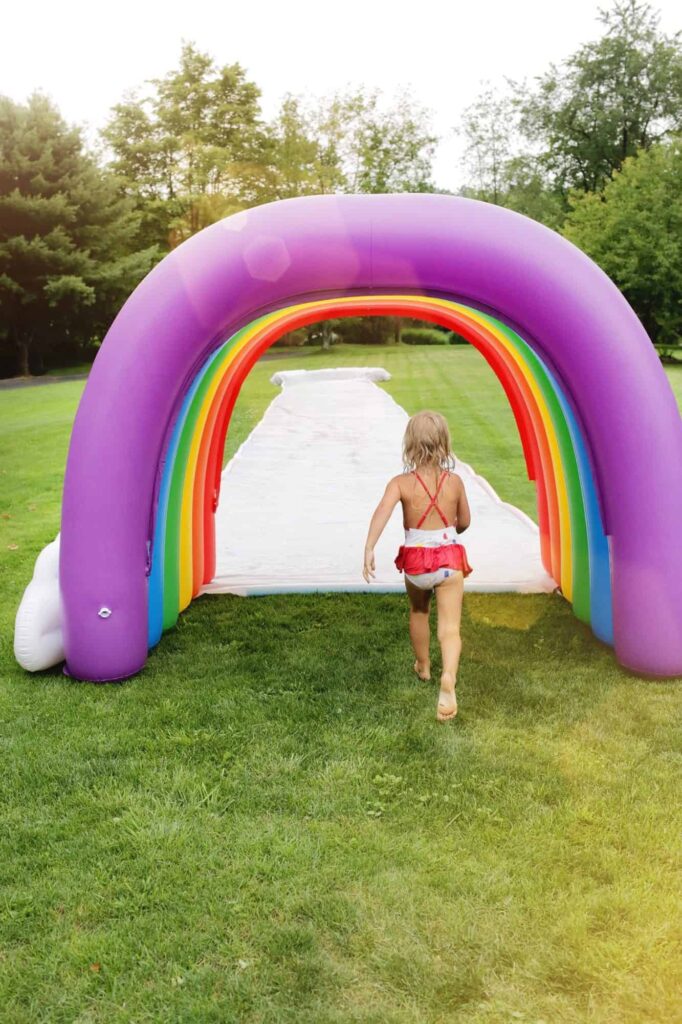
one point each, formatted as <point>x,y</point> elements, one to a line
<point>427,441</point>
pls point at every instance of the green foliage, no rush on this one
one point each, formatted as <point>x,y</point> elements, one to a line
<point>353,330</point>
<point>194,149</point>
<point>608,100</point>
<point>293,339</point>
<point>352,142</point>
<point>499,173</point>
<point>371,330</point>
<point>633,230</point>
<point>424,336</point>
<point>391,149</point>
<point>591,130</point>
<point>358,330</point>
<point>67,254</point>
<point>305,158</point>
<point>365,330</point>
<point>527,192</point>
<point>487,127</point>
<point>525,149</point>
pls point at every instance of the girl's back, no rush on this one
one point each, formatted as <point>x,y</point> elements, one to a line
<point>446,488</point>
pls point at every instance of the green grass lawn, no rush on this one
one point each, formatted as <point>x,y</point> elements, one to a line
<point>268,825</point>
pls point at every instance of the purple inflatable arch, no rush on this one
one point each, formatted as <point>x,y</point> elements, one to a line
<point>528,277</point>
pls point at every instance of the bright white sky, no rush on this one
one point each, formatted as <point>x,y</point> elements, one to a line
<point>85,55</point>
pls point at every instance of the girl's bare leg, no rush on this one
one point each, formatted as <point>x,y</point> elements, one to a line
<point>449,596</point>
<point>420,603</point>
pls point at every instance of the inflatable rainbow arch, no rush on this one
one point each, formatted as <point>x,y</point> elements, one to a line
<point>597,419</point>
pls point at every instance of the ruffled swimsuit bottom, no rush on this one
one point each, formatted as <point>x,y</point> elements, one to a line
<point>430,556</point>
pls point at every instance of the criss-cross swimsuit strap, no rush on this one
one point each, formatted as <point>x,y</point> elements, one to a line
<point>433,503</point>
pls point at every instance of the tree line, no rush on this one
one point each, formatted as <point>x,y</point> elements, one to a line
<point>591,148</point>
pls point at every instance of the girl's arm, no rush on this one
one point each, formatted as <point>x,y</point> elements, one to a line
<point>463,510</point>
<point>381,516</point>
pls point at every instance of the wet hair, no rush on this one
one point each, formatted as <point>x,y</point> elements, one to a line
<point>427,442</point>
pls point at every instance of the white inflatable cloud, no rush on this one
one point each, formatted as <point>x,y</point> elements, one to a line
<point>38,641</point>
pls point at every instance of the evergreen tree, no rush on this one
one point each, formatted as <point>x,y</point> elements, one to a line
<point>67,258</point>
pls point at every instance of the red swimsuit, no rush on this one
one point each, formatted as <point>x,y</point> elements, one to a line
<point>441,553</point>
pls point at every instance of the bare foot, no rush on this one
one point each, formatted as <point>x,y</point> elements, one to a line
<point>447,698</point>
<point>423,670</point>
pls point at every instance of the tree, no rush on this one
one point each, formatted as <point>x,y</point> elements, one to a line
<point>67,258</point>
<point>304,162</point>
<point>392,148</point>
<point>487,127</point>
<point>194,150</point>
<point>500,171</point>
<point>352,142</point>
<point>525,190</point>
<point>607,101</point>
<point>633,230</point>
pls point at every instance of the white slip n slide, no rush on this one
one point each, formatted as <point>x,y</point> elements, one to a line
<point>297,497</point>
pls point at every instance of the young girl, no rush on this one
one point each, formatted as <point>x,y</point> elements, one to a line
<point>435,510</point>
